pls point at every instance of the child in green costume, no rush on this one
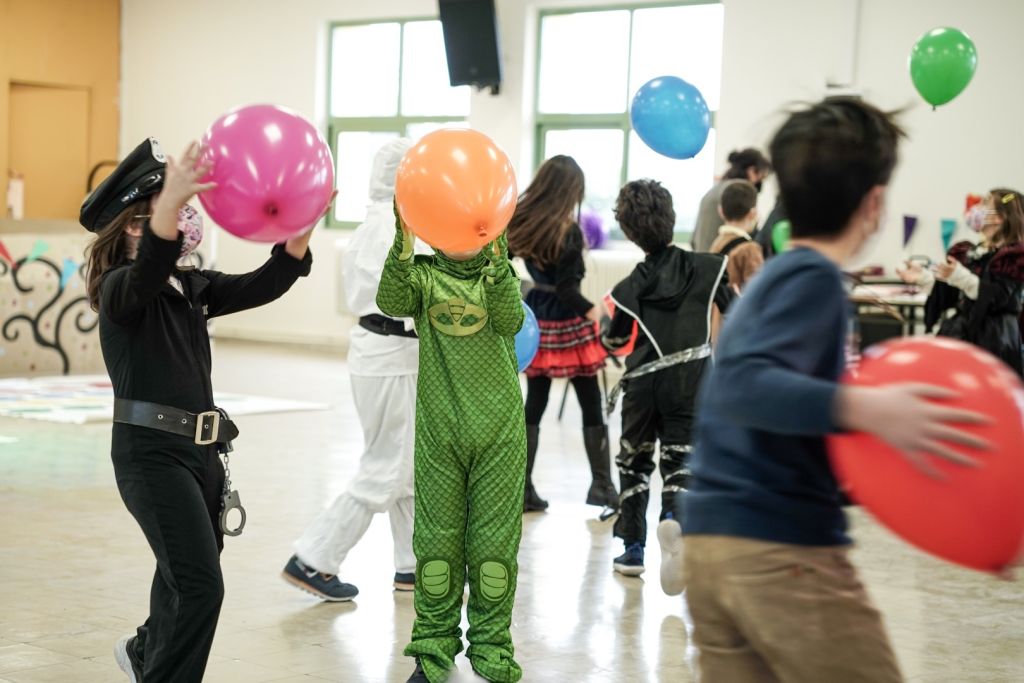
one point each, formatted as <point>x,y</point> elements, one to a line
<point>470,459</point>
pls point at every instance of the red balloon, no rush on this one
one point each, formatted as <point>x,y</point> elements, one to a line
<point>274,173</point>
<point>972,516</point>
<point>631,344</point>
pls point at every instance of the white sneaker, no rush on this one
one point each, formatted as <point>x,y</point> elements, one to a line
<point>124,661</point>
<point>670,537</point>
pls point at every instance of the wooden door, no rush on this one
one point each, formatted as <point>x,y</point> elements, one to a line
<point>49,147</point>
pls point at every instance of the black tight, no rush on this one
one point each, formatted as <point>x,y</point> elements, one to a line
<point>587,391</point>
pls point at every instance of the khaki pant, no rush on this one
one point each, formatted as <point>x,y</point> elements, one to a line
<point>779,613</point>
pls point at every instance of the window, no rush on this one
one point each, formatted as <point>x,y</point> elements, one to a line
<point>584,112</point>
<point>387,79</point>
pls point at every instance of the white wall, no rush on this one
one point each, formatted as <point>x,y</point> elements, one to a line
<point>186,62</point>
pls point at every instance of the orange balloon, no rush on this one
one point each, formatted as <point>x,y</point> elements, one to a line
<point>971,516</point>
<point>456,189</point>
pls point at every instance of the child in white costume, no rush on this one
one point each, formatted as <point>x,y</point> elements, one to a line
<point>383,363</point>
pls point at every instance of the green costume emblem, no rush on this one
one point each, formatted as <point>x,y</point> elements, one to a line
<point>457,318</point>
<point>493,580</point>
<point>435,578</point>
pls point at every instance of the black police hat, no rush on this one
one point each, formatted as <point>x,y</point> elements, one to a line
<point>140,175</point>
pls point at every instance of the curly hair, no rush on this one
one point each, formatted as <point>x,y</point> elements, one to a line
<point>645,214</point>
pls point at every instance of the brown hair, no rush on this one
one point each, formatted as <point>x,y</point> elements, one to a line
<point>828,157</point>
<point>542,218</point>
<point>109,248</point>
<point>743,159</point>
<point>645,214</point>
<point>1009,207</point>
<point>738,198</point>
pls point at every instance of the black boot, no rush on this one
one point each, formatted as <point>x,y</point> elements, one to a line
<point>602,491</point>
<point>531,501</point>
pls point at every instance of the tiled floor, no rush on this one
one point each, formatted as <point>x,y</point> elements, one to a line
<point>75,570</point>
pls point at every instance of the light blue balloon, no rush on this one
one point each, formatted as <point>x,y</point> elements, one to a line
<point>527,339</point>
<point>671,117</point>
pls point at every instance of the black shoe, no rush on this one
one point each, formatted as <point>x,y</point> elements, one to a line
<point>602,491</point>
<point>417,675</point>
<point>324,586</point>
<point>531,501</point>
<point>124,653</point>
<point>405,581</point>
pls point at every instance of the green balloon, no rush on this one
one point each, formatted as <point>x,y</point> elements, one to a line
<point>942,63</point>
<point>780,236</point>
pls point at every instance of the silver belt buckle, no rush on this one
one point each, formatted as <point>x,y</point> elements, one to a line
<point>200,440</point>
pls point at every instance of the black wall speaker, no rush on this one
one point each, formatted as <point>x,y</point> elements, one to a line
<point>471,43</point>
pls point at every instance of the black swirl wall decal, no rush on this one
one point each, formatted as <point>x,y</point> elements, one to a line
<point>47,323</point>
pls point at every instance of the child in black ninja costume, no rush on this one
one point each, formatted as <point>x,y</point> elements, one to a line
<point>167,433</point>
<point>671,296</point>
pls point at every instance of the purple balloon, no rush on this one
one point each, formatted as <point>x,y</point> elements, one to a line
<point>594,230</point>
<point>274,173</point>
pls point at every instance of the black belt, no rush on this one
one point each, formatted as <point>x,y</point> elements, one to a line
<point>210,427</point>
<point>385,326</point>
<point>541,287</point>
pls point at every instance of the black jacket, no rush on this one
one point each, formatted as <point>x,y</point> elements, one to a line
<point>670,295</point>
<point>993,321</point>
<point>155,341</point>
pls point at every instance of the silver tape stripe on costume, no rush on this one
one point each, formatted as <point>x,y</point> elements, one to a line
<point>676,449</point>
<point>631,451</point>
<point>632,491</point>
<point>672,488</point>
<point>634,473</point>
<point>678,358</point>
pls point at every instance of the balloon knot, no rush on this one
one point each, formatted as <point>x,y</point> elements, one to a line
<point>271,209</point>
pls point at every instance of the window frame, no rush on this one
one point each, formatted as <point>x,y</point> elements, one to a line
<point>544,122</point>
<point>371,124</point>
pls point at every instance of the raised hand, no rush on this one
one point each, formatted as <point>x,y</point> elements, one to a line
<point>181,183</point>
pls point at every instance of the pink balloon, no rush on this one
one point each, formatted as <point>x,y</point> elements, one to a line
<point>274,173</point>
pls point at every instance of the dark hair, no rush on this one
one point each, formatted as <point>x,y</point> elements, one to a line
<point>738,198</point>
<point>743,159</point>
<point>109,248</point>
<point>645,214</point>
<point>542,217</point>
<point>828,157</point>
<point>1010,207</point>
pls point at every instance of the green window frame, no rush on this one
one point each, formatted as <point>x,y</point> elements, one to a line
<point>398,124</point>
<point>619,121</point>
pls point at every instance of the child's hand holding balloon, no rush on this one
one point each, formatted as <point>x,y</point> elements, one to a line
<point>181,183</point>
<point>296,246</point>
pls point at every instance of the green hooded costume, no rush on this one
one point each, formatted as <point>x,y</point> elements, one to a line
<point>470,460</point>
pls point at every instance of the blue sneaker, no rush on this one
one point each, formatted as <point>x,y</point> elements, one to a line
<point>631,562</point>
<point>324,586</point>
<point>405,581</point>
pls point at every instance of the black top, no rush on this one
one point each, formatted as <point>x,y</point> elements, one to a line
<point>670,293</point>
<point>760,467</point>
<point>993,321</point>
<point>154,339</point>
<point>559,296</point>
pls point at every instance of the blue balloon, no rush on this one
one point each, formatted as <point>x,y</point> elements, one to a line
<point>527,339</point>
<point>671,116</point>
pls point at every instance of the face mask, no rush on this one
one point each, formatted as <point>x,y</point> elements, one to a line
<point>190,223</point>
<point>977,217</point>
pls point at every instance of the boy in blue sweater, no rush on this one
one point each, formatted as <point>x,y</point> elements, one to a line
<point>772,594</point>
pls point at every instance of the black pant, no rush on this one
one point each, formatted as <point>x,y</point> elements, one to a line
<point>656,407</point>
<point>172,488</point>
<point>587,391</point>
